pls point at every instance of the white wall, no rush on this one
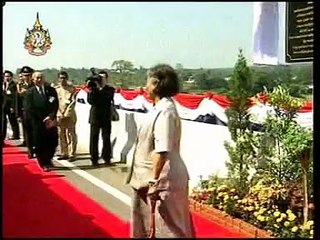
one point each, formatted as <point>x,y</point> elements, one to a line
<point>202,144</point>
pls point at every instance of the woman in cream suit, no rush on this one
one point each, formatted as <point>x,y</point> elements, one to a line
<point>158,172</point>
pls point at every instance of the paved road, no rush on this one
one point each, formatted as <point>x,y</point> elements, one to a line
<point>105,185</point>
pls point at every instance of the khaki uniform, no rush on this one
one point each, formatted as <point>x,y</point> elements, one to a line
<point>66,120</point>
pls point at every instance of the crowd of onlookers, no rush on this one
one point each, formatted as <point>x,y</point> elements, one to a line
<point>48,118</point>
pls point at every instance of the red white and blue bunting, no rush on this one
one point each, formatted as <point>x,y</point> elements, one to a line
<point>208,108</point>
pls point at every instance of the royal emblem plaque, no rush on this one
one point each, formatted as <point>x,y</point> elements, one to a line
<point>37,40</point>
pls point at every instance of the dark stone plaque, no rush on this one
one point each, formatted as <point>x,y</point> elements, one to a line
<point>299,32</point>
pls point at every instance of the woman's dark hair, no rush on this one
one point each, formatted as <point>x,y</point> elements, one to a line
<point>165,79</point>
<point>63,73</point>
<point>8,72</point>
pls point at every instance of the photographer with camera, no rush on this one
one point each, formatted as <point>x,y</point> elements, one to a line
<point>100,97</point>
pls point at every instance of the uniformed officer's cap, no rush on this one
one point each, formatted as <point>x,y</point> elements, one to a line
<point>26,70</point>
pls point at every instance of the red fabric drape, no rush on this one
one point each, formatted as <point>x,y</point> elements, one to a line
<point>308,107</point>
<point>82,87</point>
<point>192,101</point>
<point>189,100</point>
<point>220,99</point>
<point>129,94</point>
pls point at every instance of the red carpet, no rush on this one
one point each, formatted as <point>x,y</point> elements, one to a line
<point>38,204</point>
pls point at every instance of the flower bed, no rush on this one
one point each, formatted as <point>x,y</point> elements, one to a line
<point>228,221</point>
<point>265,211</point>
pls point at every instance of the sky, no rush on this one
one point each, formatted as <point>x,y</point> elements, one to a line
<point>94,34</point>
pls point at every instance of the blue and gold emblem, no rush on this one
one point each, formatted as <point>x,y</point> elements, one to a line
<point>37,40</point>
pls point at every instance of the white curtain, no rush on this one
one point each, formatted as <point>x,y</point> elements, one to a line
<point>266,33</point>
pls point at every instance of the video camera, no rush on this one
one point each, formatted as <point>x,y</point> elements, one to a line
<point>94,79</point>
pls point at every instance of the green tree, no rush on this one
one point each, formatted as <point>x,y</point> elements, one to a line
<point>219,85</point>
<point>202,81</point>
<point>122,66</point>
<point>240,151</point>
<point>125,70</point>
<point>298,142</point>
<point>263,80</point>
<point>284,146</point>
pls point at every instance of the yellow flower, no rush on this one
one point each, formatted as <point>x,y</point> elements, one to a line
<point>256,214</point>
<point>311,232</point>
<point>283,215</point>
<point>291,217</point>
<point>220,194</point>
<point>222,187</point>
<point>276,214</point>
<point>226,197</point>
<point>262,210</point>
<point>286,224</point>
<point>233,190</point>
<point>261,218</point>
<point>250,209</point>
<point>276,225</point>
<point>288,211</point>
<point>294,229</point>
<point>236,197</point>
<point>307,225</point>
<point>279,219</point>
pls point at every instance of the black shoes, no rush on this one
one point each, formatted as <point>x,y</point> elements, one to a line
<point>107,162</point>
<point>47,168</point>
<point>95,164</point>
<point>63,157</point>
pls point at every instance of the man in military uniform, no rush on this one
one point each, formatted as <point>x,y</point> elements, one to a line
<point>23,85</point>
<point>10,93</point>
<point>66,117</point>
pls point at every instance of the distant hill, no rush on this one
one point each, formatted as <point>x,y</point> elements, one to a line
<point>296,77</point>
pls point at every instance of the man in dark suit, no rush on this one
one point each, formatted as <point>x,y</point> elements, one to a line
<point>100,97</point>
<point>23,85</point>
<point>42,104</point>
<point>10,93</point>
<point>2,101</point>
